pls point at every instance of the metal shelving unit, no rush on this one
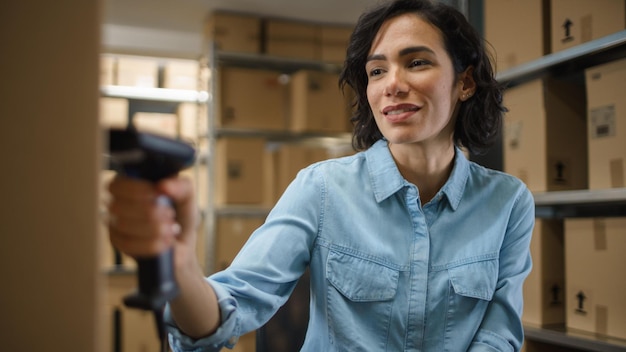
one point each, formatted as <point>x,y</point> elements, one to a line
<point>559,335</point>
<point>216,59</point>
<point>286,65</point>
<point>155,94</point>
<point>581,203</point>
<point>574,59</point>
<point>152,96</point>
<point>577,203</point>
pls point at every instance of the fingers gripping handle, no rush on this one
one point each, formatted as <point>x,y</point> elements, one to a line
<point>153,158</point>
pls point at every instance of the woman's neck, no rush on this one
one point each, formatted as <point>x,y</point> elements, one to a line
<point>426,168</point>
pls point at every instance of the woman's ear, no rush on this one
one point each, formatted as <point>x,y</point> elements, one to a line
<point>467,83</point>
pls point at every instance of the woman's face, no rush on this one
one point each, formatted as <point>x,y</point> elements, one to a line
<point>412,88</point>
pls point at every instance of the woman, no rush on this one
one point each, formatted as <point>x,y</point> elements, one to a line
<point>410,246</point>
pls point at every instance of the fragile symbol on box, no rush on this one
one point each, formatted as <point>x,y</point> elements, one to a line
<point>567,25</point>
<point>580,299</point>
<point>555,295</point>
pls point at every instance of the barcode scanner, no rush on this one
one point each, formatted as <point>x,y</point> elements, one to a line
<point>150,157</point>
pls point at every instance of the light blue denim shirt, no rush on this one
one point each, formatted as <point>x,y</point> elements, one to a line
<point>387,274</point>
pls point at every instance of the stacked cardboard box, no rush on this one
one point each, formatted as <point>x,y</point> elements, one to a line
<point>234,32</point>
<point>606,119</point>
<point>575,22</point>
<point>317,104</point>
<point>517,30</point>
<point>594,266</point>
<point>542,146</point>
<point>280,37</point>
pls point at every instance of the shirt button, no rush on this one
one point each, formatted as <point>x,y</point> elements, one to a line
<point>233,340</point>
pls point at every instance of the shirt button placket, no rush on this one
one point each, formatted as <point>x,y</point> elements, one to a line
<point>419,272</point>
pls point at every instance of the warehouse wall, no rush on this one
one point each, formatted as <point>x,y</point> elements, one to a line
<point>50,152</point>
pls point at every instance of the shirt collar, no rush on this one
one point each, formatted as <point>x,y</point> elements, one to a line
<point>387,180</point>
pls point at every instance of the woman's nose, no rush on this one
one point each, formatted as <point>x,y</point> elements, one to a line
<point>395,84</point>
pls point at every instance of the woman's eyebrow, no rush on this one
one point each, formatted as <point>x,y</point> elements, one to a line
<point>416,49</point>
<point>403,52</point>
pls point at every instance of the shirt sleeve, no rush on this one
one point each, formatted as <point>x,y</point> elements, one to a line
<point>266,270</point>
<point>501,328</point>
<point>222,337</point>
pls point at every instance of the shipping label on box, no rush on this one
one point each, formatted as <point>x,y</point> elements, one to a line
<point>574,22</point>
<point>606,116</point>
<point>594,268</point>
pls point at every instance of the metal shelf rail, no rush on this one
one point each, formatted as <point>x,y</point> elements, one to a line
<point>585,55</point>
<point>581,203</point>
<point>559,335</point>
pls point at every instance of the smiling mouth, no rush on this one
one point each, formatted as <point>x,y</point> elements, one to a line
<point>399,110</point>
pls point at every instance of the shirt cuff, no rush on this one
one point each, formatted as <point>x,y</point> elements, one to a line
<point>224,336</point>
<point>487,341</point>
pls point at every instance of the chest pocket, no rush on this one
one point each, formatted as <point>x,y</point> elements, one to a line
<point>361,280</point>
<point>475,280</point>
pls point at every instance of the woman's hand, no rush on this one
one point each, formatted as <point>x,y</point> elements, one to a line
<point>148,218</point>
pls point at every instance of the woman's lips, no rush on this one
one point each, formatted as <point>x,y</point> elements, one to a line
<point>397,113</point>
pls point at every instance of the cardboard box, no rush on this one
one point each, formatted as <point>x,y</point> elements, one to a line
<point>317,104</point>
<point>181,74</point>
<point>537,346</point>
<point>234,32</point>
<point>578,21</point>
<point>544,135</point>
<point>252,99</point>
<point>113,112</point>
<point>334,43</point>
<point>109,257</point>
<point>290,158</point>
<point>193,121</point>
<point>137,329</point>
<point>285,38</point>
<point>606,117</point>
<point>594,273</point>
<point>108,67</point>
<point>518,30</point>
<point>231,233</point>
<point>157,123</point>
<point>544,289</point>
<point>239,170</point>
<point>137,72</point>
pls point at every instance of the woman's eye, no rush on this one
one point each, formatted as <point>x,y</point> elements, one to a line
<point>375,72</point>
<point>418,62</point>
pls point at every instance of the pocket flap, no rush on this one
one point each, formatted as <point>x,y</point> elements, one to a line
<point>359,279</point>
<point>476,280</point>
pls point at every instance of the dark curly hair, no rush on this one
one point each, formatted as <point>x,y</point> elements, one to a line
<point>479,119</point>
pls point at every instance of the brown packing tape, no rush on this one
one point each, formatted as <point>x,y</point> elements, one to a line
<point>616,169</point>
<point>602,319</point>
<point>586,28</point>
<point>599,234</point>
